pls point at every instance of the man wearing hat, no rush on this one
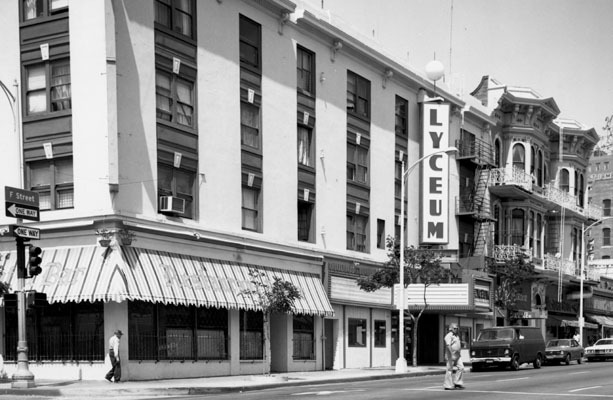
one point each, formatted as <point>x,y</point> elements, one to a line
<point>115,371</point>
<point>452,357</point>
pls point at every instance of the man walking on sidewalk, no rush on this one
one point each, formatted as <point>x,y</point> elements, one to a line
<point>115,371</point>
<point>452,357</point>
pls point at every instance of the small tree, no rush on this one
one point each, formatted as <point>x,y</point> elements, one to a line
<point>509,274</point>
<point>421,266</point>
<point>277,296</point>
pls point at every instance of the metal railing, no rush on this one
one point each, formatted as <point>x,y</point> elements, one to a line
<point>503,252</point>
<point>511,176</point>
<point>207,345</point>
<point>252,345</point>
<point>477,148</point>
<point>58,347</point>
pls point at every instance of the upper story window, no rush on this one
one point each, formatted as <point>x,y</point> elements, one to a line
<point>358,95</point>
<point>305,68</point>
<point>357,163</point>
<point>497,153</point>
<point>53,180</point>
<point>33,9</point>
<point>174,98</point>
<point>177,182</point>
<point>402,116</point>
<point>606,207</point>
<point>606,236</point>
<point>176,15</point>
<point>564,180</point>
<point>48,87</point>
<point>539,168</point>
<point>519,157</point>
<point>357,232</point>
<point>250,42</point>
<point>251,209</point>
<point>250,125</point>
<point>305,146</point>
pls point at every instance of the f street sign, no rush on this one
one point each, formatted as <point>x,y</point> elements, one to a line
<point>20,203</point>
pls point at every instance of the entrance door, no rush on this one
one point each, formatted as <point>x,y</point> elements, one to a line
<point>428,342</point>
<point>330,342</point>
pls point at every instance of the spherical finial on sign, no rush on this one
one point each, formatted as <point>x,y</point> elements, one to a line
<point>435,70</point>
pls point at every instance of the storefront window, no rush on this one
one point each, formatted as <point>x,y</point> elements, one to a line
<point>357,332</point>
<point>251,335</point>
<point>380,333</point>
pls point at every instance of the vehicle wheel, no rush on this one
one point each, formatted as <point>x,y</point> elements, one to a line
<point>580,359</point>
<point>567,359</point>
<point>537,362</point>
<point>515,363</point>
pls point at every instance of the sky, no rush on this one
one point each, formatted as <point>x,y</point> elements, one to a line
<point>559,48</point>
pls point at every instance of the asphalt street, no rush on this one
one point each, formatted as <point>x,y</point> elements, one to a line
<point>589,380</point>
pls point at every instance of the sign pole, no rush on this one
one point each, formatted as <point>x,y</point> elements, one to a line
<point>23,377</point>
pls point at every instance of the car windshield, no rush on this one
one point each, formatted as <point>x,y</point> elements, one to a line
<point>496,334</point>
<point>559,343</point>
<point>604,342</point>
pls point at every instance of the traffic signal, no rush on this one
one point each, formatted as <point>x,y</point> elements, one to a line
<point>34,261</point>
<point>590,248</point>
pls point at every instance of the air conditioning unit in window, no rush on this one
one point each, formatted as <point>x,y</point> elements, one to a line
<point>172,205</point>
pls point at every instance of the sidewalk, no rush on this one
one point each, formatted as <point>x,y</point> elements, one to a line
<point>178,387</point>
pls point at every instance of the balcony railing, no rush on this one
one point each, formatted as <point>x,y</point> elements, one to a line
<point>553,263</point>
<point>504,252</point>
<point>511,176</point>
<point>478,149</point>
<point>594,212</point>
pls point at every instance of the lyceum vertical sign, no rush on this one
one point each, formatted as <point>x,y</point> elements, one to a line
<point>435,177</point>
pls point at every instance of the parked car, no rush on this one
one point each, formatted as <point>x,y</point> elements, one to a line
<point>563,351</point>
<point>508,346</point>
<point>599,351</point>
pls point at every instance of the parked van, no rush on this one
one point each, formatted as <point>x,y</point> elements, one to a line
<point>508,346</point>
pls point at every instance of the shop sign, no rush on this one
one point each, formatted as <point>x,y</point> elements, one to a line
<point>481,294</point>
<point>346,289</point>
<point>537,314</point>
<point>435,177</point>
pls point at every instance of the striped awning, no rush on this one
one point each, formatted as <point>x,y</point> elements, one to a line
<point>93,273</point>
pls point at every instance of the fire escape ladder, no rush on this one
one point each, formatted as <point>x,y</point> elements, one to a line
<point>481,209</point>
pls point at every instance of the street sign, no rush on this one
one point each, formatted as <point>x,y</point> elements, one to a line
<point>25,232</point>
<point>21,203</point>
<point>20,211</point>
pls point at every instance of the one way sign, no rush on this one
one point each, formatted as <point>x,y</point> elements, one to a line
<point>21,203</point>
<point>21,211</point>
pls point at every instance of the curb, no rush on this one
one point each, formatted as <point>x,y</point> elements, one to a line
<point>182,391</point>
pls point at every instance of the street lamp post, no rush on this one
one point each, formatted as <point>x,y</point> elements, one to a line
<point>401,363</point>
<point>581,272</point>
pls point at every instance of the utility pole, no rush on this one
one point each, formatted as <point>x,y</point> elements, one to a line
<point>23,377</point>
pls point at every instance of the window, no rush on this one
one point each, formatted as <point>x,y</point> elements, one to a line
<point>357,163</point>
<point>175,332</point>
<point>380,332</point>
<point>539,168</point>
<point>305,146</point>
<point>53,180</point>
<point>250,42</point>
<point>519,157</point>
<point>402,112</point>
<point>357,332</point>
<point>305,221</point>
<point>33,9</point>
<point>397,180</point>
<point>174,99</point>
<point>606,207</point>
<point>178,183</point>
<point>357,232</point>
<point>251,209</point>
<point>564,180</point>
<point>176,15</point>
<point>517,227</point>
<point>250,125</point>
<point>48,87</point>
<point>358,95</point>
<point>580,191</point>
<point>305,65</point>
<point>303,337</point>
<point>539,229</point>
<point>606,236</point>
<point>251,335</point>
<point>497,153</point>
<point>380,234</point>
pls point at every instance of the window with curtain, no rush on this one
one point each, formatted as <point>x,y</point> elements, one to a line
<point>357,163</point>
<point>606,236</point>
<point>358,95</point>
<point>33,9</point>
<point>48,95</point>
<point>174,99</point>
<point>305,146</point>
<point>519,157</point>
<point>177,182</point>
<point>303,337</point>
<point>517,227</point>
<point>251,209</point>
<point>53,181</point>
<point>176,15</point>
<point>250,125</point>
<point>305,68</point>
<point>357,233</point>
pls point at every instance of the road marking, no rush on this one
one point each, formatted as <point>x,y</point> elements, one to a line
<point>326,392</point>
<point>572,395</point>
<point>512,379</point>
<point>585,388</point>
<point>580,372</point>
